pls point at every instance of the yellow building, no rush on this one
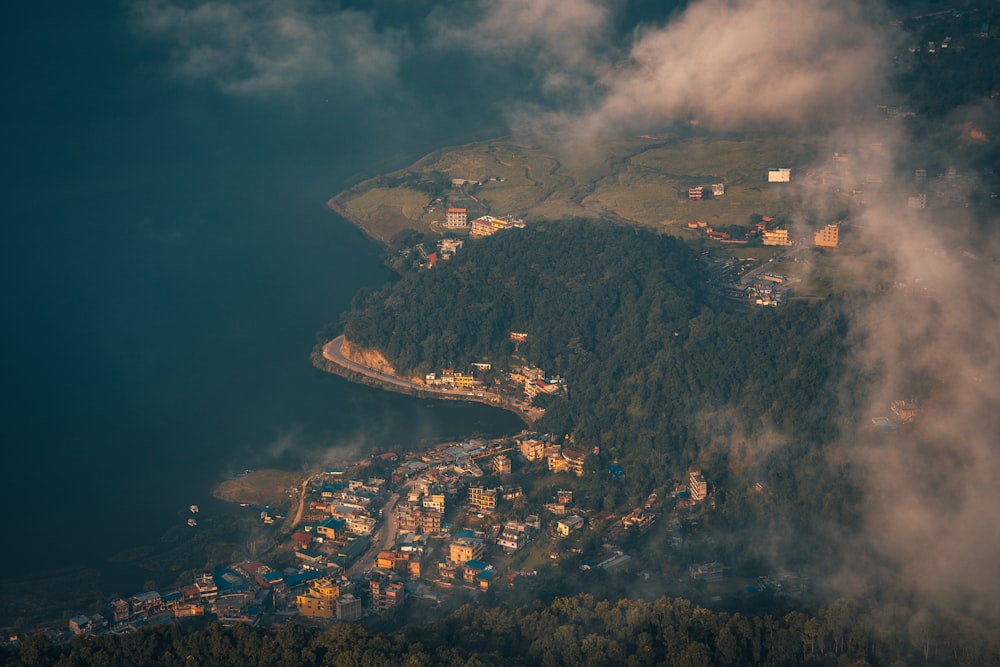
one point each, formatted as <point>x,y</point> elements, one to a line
<point>320,601</point>
<point>463,380</point>
<point>828,237</point>
<point>462,551</point>
<point>775,237</point>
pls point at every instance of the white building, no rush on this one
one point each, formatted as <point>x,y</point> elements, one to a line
<point>779,175</point>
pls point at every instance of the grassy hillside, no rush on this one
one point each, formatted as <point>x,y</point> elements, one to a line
<point>642,180</point>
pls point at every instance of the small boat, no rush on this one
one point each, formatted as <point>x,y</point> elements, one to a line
<point>192,522</point>
<point>194,509</point>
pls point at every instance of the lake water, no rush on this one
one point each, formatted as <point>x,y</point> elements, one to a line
<point>167,262</point>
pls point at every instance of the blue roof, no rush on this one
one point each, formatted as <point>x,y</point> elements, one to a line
<point>465,532</point>
<point>295,579</point>
<point>172,596</point>
<point>333,523</point>
<point>476,564</point>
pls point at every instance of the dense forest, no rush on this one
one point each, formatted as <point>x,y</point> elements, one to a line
<point>580,630</point>
<point>662,376</point>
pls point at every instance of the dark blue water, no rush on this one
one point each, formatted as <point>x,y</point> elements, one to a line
<point>167,261</point>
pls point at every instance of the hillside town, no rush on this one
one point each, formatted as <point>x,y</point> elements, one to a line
<point>461,518</point>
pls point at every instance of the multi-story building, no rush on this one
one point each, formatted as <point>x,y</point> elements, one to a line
<point>574,459</point>
<point>828,237</point>
<point>532,447</point>
<point>775,237</point>
<point>348,608</point>
<point>319,600</point>
<point>697,485</point>
<point>435,502</point>
<point>482,498</point>
<point>207,588</point>
<point>456,218</point>
<point>488,225</point>
<point>332,529</point>
<point>463,550</point>
<point>386,594</point>
<point>695,193</point>
<point>513,536</point>
<point>501,464</point>
<point>420,520</point>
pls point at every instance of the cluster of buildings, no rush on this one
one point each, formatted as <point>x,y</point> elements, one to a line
<point>558,458</point>
<point>698,192</point>
<point>523,381</point>
<point>444,250</point>
<point>486,225</point>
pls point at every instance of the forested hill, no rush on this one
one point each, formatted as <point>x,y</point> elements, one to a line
<point>574,288</point>
<point>625,316</point>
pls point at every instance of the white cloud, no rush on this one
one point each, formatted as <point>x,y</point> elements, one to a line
<point>560,39</point>
<point>730,63</point>
<point>258,48</point>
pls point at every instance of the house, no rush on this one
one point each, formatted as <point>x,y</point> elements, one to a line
<point>695,193</point>
<point>482,498</point>
<point>207,588</point>
<point>332,528</point>
<point>84,625</point>
<point>905,411</point>
<point>718,189</point>
<point>566,459</point>
<point>779,175</point>
<point>532,447</point>
<point>513,536</point>
<point>706,571</point>
<point>473,568</point>
<point>568,524</point>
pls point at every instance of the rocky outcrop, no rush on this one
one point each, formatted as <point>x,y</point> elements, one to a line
<point>371,358</point>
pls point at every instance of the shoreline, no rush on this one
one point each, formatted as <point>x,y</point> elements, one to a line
<point>328,358</point>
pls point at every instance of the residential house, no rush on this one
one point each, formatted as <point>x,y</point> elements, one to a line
<point>482,498</point>
<point>779,175</point>
<point>567,525</point>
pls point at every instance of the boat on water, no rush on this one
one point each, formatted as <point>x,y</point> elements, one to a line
<point>194,509</point>
<point>192,522</point>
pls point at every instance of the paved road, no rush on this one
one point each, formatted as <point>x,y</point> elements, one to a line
<point>386,535</point>
<point>332,352</point>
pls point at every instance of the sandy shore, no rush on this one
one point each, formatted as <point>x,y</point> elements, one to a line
<point>261,487</point>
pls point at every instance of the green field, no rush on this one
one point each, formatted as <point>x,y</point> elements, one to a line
<point>641,180</point>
